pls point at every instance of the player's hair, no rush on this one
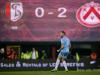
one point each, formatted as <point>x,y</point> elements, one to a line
<point>63,32</point>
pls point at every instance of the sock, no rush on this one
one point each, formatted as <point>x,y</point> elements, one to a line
<point>57,64</point>
<point>65,65</point>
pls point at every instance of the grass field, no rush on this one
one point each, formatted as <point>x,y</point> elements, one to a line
<point>51,73</point>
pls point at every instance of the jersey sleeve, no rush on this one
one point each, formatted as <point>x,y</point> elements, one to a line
<point>68,43</point>
<point>62,41</point>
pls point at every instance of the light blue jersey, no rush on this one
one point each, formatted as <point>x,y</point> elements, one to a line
<point>66,42</point>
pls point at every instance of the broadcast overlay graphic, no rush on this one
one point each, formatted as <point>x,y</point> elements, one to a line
<point>41,20</point>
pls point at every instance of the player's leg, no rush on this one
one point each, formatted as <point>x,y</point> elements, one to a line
<point>57,63</point>
<point>64,62</point>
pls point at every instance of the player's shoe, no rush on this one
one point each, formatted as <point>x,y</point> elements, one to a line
<point>66,70</point>
<point>54,70</point>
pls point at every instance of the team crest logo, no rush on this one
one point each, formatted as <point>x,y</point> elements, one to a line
<point>89,15</point>
<point>14,10</point>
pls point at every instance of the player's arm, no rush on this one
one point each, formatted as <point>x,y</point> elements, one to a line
<point>62,46</point>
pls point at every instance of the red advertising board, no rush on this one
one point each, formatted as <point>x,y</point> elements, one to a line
<point>41,20</point>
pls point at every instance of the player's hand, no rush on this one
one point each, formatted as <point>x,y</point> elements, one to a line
<point>58,50</point>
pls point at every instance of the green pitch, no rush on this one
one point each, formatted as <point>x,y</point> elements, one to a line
<point>51,73</point>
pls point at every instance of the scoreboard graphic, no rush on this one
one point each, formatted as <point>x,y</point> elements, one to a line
<point>41,20</point>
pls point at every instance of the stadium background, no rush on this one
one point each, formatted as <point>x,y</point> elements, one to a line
<point>42,34</point>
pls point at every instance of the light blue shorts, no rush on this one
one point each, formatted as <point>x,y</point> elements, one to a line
<point>63,55</point>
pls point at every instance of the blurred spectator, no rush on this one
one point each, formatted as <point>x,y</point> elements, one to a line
<point>2,53</point>
<point>93,56</point>
<point>34,54</point>
<point>11,54</point>
<point>44,55</point>
<point>27,55</point>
